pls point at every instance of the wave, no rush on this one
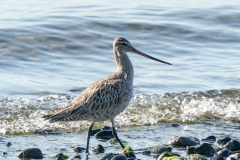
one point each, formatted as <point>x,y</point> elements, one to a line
<point>22,116</point>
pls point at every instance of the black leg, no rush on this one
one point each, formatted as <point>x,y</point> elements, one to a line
<point>115,134</point>
<point>88,137</point>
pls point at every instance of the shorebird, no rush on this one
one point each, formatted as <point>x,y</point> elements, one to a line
<point>106,98</point>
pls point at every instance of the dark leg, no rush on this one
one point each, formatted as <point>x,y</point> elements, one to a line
<point>88,137</point>
<point>115,134</point>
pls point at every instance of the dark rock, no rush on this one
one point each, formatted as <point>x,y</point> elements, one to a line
<point>119,157</point>
<point>233,145</point>
<point>77,157</point>
<point>217,157</point>
<point>224,141</point>
<point>94,131</point>
<point>224,152</point>
<point>4,154</point>
<point>179,141</point>
<point>167,154</point>
<point>130,155</point>
<point>98,149</point>
<point>78,149</point>
<point>34,153</point>
<point>235,156</point>
<point>104,135</point>
<point>205,149</point>
<point>108,156</point>
<point>197,157</point>
<point>160,149</point>
<point>146,152</point>
<point>106,128</point>
<point>59,156</point>
<point>209,139</point>
<point>8,144</point>
<point>175,125</point>
<point>191,150</point>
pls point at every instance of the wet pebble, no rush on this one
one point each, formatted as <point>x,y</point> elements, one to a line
<point>8,144</point>
<point>78,149</point>
<point>217,157</point>
<point>94,131</point>
<point>180,141</point>
<point>104,135</point>
<point>224,141</point>
<point>77,157</point>
<point>167,154</point>
<point>203,149</point>
<point>160,149</point>
<point>119,157</point>
<point>108,156</point>
<point>197,157</point>
<point>98,149</point>
<point>104,128</point>
<point>146,152</point>
<point>129,155</point>
<point>233,145</point>
<point>209,139</point>
<point>175,125</point>
<point>4,154</point>
<point>34,153</point>
<point>235,156</point>
<point>59,156</point>
<point>224,152</point>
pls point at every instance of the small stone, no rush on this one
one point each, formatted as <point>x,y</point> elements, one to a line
<point>127,149</point>
<point>119,157</point>
<point>224,141</point>
<point>217,157</point>
<point>78,149</point>
<point>94,131</point>
<point>233,145</point>
<point>205,149</point>
<point>77,157</point>
<point>180,141</point>
<point>34,153</point>
<point>8,144</point>
<point>160,149</point>
<point>104,135</point>
<point>224,152</point>
<point>98,149</point>
<point>235,156</point>
<point>167,154</point>
<point>197,157</point>
<point>4,154</point>
<point>108,156</point>
<point>175,125</point>
<point>130,155</point>
<point>59,156</point>
<point>146,152</point>
<point>106,128</point>
<point>209,139</point>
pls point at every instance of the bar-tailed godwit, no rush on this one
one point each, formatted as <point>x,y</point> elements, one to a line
<point>106,98</point>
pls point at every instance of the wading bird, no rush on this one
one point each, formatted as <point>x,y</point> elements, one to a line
<point>106,98</point>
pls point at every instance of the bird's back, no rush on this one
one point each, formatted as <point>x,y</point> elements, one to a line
<point>101,101</point>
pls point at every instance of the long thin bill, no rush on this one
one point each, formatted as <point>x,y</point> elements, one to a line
<point>147,56</point>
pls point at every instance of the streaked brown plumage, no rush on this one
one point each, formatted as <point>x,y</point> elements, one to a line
<point>106,98</point>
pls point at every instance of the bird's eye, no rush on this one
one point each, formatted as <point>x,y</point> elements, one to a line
<point>124,44</point>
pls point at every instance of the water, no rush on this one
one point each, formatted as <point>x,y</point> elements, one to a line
<point>51,51</point>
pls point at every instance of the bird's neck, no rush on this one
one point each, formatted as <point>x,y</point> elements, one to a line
<point>124,65</point>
